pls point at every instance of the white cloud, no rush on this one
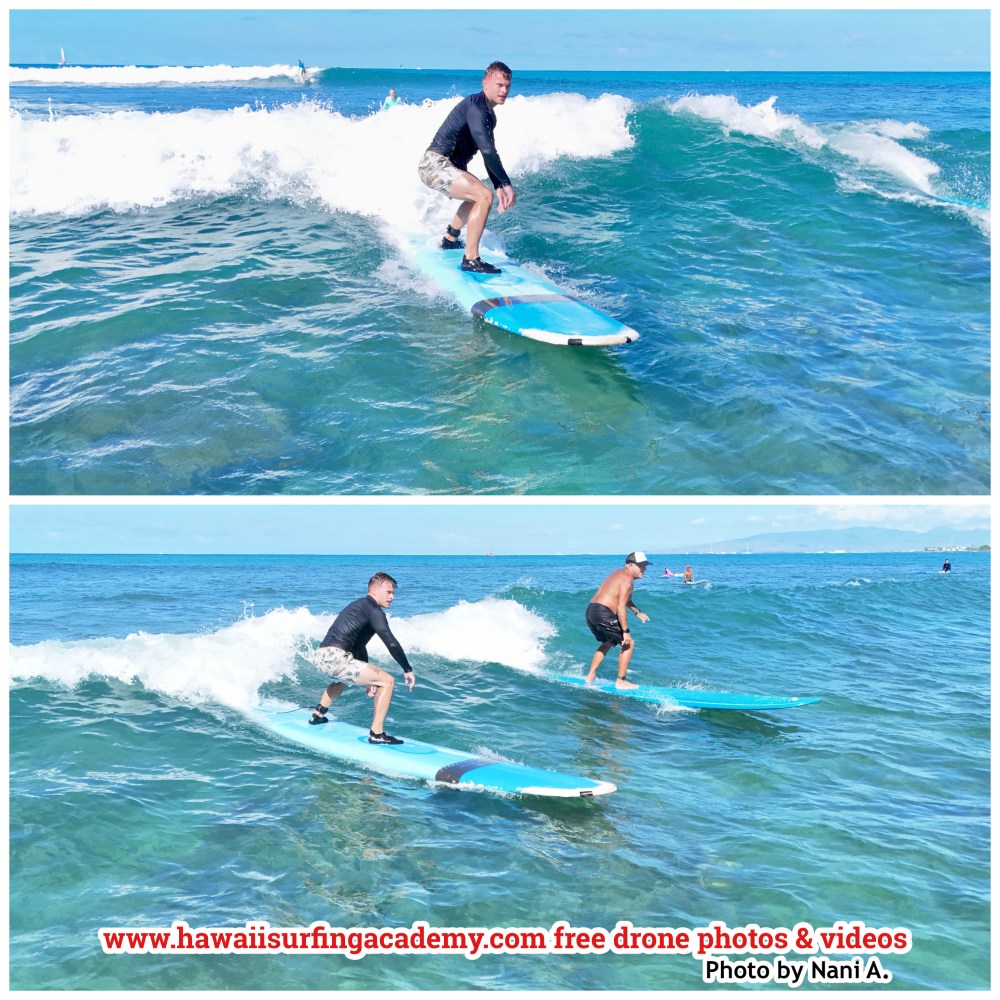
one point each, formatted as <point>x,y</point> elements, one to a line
<point>908,517</point>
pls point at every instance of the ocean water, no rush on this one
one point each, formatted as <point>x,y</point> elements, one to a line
<point>141,792</point>
<point>209,292</point>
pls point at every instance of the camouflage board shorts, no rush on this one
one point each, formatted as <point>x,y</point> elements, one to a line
<point>338,663</point>
<point>438,172</point>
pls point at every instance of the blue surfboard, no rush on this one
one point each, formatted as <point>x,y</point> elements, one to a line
<point>520,302</point>
<point>413,759</point>
<point>688,697</point>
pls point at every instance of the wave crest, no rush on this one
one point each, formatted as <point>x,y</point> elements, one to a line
<point>866,156</point>
<point>305,152</point>
<point>230,665</point>
<point>130,76</point>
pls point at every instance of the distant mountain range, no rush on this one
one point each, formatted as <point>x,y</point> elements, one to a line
<point>851,540</point>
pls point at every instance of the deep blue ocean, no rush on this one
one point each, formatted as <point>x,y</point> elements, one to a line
<point>141,792</point>
<point>209,292</point>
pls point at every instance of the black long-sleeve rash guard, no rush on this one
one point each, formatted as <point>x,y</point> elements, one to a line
<point>468,130</point>
<point>356,624</point>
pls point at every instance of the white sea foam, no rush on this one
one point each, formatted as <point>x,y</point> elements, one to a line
<point>487,631</point>
<point>128,76</point>
<point>867,156</point>
<point>230,665</point>
<point>227,666</point>
<point>762,120</point>
<point>306,153</point>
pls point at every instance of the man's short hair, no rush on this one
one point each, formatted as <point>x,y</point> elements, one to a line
<point>381,578</point>
<point>498,67</point>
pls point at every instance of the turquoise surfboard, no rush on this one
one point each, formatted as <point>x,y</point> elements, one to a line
<point>413,759</point>
<point>689,697</point>
<point>518,301</point>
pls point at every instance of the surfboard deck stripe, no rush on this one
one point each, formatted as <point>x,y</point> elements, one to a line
<point>691,697</point>
<point>483,306</point>
<point>451,773</point>
<point>415,759</point>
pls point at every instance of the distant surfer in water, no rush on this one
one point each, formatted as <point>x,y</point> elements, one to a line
<point>946,568</point>
<point>608,619</point>
<point>303,75</point>
<point>392,100</point>
<point>343,655</point>
<point>466,131</point>
<point>688,574</point>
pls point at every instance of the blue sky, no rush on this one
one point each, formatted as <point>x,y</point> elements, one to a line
<point>566,38</point>
<point>401,527</point>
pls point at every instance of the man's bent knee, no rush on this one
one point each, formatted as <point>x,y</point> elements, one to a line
<point>385,680</point>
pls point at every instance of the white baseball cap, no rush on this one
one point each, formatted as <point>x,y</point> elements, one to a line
<point>638,557</point>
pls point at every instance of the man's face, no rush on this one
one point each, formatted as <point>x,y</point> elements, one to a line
<point>496,87</point>
<point>383,593</point>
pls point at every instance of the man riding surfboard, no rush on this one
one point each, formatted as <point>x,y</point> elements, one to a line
<point>468,129</point>
<point>607,616</point>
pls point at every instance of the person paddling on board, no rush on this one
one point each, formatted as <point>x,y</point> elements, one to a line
<point>946,568</point>
<point>343,655</point>
<point>468,129</point>
<point>608,620</point>
<point>392,100</point>
<point>688,574</point>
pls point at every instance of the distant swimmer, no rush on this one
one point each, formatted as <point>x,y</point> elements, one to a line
<point>668,572</point>
<point>688,575</point>
<point>392,100</point>
<point>607,616</point>
<point>343,655</point>
<point>468,129</point>
<point>946,568</point>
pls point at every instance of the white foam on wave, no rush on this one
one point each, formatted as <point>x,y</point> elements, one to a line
<point>306,152</point>
<point>227,666</point>
<point>487,631</point>
<point>762,120</point>
<point>230,665</point>
<point>130,76</point>
<point>862,152</point>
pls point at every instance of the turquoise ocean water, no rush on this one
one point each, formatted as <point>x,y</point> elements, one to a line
<point>208,291</point>
<point>143,793</point>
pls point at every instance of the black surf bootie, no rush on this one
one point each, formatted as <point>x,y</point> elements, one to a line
<point>454,243</point>
<point>383,739</point>
<point>479,266</point>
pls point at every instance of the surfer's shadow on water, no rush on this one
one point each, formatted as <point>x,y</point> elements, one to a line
<point>745,730</point>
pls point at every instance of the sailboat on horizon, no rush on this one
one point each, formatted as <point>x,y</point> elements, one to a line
<point>62,56</point>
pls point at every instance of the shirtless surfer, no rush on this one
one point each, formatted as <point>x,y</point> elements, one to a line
<point>468,129</point>
<point>608,620</point>
<point>344,656</point>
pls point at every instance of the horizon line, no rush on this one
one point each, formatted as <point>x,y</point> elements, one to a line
<point>985,547</point>
<point>477,69</point>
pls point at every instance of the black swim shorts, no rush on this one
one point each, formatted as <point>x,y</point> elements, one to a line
<point>604,624</point>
